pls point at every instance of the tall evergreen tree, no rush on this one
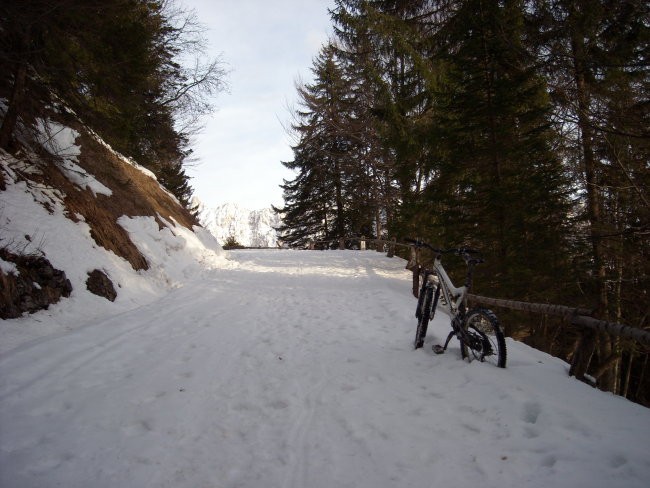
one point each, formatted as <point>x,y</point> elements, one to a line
<point>315,201</point>
<point>385,42</point>
<point>496,183</point>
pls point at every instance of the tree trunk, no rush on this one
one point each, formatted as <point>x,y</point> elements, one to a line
<point>340,220</point>
<point>625,386</point>
<point>639,388</point>
<point>378,222</point>
<point>15,105</point>
<point>587,345</point>
<point>583,354</point>
<point>495,157</point>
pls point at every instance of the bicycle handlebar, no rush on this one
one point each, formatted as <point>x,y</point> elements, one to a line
<point>454,250</point>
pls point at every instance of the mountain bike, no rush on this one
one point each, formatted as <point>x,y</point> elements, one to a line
<point>477,329</point>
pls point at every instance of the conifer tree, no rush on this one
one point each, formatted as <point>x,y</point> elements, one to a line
<point>496,183</point>
<point>315,201</point>
<point>385,43</point>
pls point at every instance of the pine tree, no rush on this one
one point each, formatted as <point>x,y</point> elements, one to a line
<point>315,201</point>
<point>495,183</point>
<point>384,44</point>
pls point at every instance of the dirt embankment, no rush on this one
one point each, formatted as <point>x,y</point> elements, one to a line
<point>134,192</point>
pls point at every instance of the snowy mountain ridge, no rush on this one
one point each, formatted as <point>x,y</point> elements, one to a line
<point>251,228</point>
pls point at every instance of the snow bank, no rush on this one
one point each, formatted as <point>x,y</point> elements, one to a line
<point>8,268</point>
<point>180,254</point>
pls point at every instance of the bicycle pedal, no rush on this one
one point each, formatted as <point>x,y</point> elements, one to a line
<point>438,349</point>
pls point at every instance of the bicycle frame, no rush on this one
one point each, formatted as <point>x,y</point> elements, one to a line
<point>454,298</point>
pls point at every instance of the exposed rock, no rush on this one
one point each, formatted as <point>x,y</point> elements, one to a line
<point>34,286</point>
<point>101,285</point>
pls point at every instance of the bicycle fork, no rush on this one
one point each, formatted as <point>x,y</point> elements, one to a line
<point>437,348</point>
<point>423,292</point>
<point>434,306</point>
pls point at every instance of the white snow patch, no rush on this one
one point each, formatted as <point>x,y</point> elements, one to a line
<point>80,177</point>
<point>180,254</point>
<point>60,140</point>
<point>8,267</point>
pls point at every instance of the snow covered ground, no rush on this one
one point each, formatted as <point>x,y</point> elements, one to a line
<point>295,369</point>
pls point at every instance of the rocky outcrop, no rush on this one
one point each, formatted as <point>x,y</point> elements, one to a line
<point>34,285</point>
<point>101,285</point>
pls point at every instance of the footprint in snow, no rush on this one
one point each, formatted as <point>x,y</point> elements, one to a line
<point>531,412</point>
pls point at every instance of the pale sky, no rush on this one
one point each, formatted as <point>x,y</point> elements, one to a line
<point>267,45</point>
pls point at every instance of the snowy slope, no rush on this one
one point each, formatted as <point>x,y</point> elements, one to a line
<point>295,369</point>
<point>173,252</point>
<point>251,228</point>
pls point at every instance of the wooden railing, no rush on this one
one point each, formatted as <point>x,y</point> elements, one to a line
<point>380,245</point>
<point>574,316</point>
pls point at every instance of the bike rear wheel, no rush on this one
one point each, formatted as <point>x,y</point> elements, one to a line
<point>423,314</point>
<point>484,338</point>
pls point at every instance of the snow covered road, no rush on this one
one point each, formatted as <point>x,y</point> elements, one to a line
<point>295,369</point>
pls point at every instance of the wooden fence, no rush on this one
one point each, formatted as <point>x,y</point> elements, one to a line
<point>574,316</point>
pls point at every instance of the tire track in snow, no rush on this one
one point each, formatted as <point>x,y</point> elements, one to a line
<point>298,446</point>
<point>66,362</point>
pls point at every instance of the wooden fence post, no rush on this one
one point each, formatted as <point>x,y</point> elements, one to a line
<point>341,244</point>
<point>583,354</point>
<point>414,266</point>
<point>416,281</point>
<point>391,247</point>
<point>413,258</point>
<point>363,243</point>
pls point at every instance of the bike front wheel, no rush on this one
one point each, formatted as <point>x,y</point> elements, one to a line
<point>423,314</point>
<point>483,338</point>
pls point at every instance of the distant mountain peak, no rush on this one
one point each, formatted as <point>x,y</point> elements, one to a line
<point>251,228</point>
